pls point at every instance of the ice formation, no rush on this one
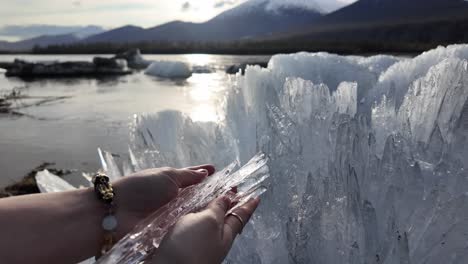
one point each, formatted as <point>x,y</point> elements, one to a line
<point>367,156</point>
<point>169,69</point>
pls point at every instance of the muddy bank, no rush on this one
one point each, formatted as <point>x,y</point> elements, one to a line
<point>12,102</point>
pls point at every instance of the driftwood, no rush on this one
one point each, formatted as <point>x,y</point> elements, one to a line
<point>11,103</point>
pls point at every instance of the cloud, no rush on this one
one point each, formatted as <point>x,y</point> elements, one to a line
<point>76,3</point>
<point>186,7</point>
<point>223,3</point>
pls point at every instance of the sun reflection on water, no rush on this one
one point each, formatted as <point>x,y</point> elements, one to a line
<point>206,92</point>
<point>200,59</point>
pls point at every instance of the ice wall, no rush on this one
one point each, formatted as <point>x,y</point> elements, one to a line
<point>367,156</point>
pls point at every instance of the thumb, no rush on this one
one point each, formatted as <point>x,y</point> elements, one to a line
<point>186,177</point>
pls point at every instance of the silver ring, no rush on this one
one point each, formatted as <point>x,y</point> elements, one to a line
<point>238,218</point>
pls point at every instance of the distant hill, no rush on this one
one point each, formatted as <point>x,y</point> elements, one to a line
<point>42,41</point>
<point>249,20</point>
<point>120,35</point>
<point>385,11</point>
<point>373,13</point>
<point>51,35</point>
<point>23,32</point>
<point>381,25</point>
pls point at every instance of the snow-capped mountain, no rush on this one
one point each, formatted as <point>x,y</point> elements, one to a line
<point>272,6</point>
<point>254,18</point>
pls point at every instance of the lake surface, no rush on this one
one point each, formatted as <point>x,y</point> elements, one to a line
<point>98,112</point>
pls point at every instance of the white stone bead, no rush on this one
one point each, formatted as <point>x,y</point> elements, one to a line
<point>109,223</point>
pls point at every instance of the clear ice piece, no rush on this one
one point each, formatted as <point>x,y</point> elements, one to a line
<point>51,183</point>
<point>109,165</point>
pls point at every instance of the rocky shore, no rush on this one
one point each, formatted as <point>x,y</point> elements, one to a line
<point>98,67</point>
<point>121,64</point>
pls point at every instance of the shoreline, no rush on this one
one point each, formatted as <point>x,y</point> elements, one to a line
<point>27,184</point>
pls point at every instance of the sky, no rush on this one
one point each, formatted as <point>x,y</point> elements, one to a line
<point>115,13</point>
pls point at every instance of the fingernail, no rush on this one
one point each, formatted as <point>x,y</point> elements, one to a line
<point>234,189</point>
<point>202,172</point>
<point>226,199</point>
<point>256,200</point>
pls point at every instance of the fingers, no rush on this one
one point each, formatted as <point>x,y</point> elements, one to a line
<point>210,168</point>
<point>219,207</point>
<point>233,225</point>
<point>190,176</point>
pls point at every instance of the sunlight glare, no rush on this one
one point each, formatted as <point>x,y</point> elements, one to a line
<point>206,91</point>
<point>199,59</point>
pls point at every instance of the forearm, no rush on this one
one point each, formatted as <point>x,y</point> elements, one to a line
<point>50,228</point>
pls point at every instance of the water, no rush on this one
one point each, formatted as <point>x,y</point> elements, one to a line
<point>98,112</point>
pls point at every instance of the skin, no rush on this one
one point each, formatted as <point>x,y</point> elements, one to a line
<point>211,226</point>
<point>66,227</point>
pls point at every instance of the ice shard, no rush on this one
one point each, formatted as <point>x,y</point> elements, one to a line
<point>50,183</point>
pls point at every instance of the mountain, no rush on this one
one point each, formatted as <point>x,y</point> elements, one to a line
<point>392,11</point>
<point>87,31</point>
<point>381,25</point>
<point>121,35</point>
<point>23,32</point>
<point>251,19</point>
<point>51,35</point>
<point>42,41</point>
<point>388,20</point>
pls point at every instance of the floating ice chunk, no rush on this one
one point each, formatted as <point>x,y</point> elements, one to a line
<point>169,69</point>
<point>134,59</point>
<point>203,69</point>
<point>147,236</point>
<point>50,183</point>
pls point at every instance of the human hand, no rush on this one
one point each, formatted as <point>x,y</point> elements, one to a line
<point>142,193</point>
<point>205,237</point>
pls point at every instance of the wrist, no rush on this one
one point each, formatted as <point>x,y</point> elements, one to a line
<point>92,212</point>
<point>105,193</point>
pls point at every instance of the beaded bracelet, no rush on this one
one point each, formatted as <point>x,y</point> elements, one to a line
<point>105,193</point>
